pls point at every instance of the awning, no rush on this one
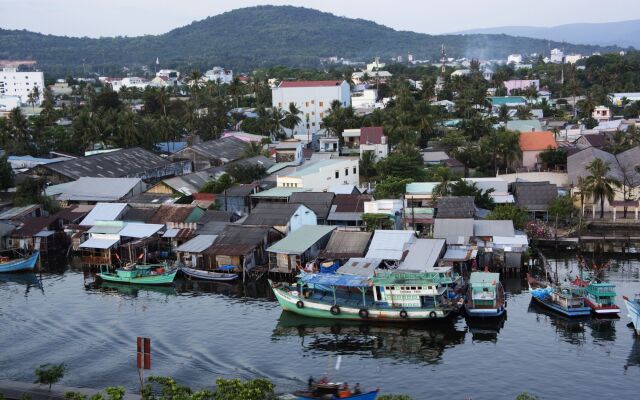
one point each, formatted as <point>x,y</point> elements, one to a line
<point>454,254</point>
<point>98,243</point>
<point>335,280</point>
<point>137,230</point>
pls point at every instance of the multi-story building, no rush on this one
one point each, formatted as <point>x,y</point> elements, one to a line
<point>514,58</point>
<point>219,75</point>
<point>319,176</point>
<point>313,99</point>
<point>557,56</point>
<point>601,113</point>
<point>21,84</point>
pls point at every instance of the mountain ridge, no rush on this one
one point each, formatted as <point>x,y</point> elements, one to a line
<point>619,33</point>
<point>260,36</point>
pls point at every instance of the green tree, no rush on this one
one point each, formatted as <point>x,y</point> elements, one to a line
<point>245,173</point>
<point>391,188</point>
<point>509,212</point>
<point>444,176</point>
<point>48,374</point>
<point>6,174</point>
<point>481,198</point>
<point>373,221</point>
<point>219,185</point>
<point>235,389</point>
<point>292,117</point>
<point>34,97</point>
<point>553,158</point>
<point>368,166</point>
<point>599,184</point>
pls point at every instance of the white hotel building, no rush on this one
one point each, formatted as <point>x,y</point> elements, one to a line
<point>21,84</point>
<point>321,175</point>
<point>313,99</point>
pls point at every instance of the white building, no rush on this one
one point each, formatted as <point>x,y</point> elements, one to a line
<point>128,82</point>
<point>220,75</point>
<point>375,65</point>
<point>573,58</point>
<point>365,99</point>
<point>21,84</point>
<point>313,99</point>
<point>169,73</point>
<point>557,56</point>
<point>366,139</point>
<point>618,99</point>
<point>514,59</point>
<point>8,103</point>
<point>601,113</point>
<point>319,176</point>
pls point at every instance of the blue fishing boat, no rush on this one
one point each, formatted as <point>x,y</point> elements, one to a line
<point>567,301</point>
<point>24,263</point>
<point>633,311</point>
<point>334,391</point>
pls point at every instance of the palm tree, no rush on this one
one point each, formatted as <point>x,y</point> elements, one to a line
<point>194,82</point>
<point>34,97</point>
<point>367,166</point>
<point>253,149</point>
<point>277,117</point>
<point>599,185</point>
<point>291,118</point>
<point>236,89</point>
<point>162,96</point>
<point>444,176</point>
<point>584,191</point>
<point>128,132</point>
<point>503,113</point>
<point>508,146</point>
<point>523,112</point>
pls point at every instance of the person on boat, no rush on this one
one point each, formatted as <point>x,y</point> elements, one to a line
<point>311,382</point>
<point>344,392</point>
<point>357,389</point>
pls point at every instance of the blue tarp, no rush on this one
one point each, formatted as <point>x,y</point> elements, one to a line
<point>335,280</point>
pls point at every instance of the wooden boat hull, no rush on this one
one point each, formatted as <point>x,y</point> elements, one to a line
<point>21,264</point>
<point>602,310</point>
<point>573,312</point>
<point>633,312</point>
<point>485,312</point>
<point>315,309</point>
<point>209,276</point>
<point>164,279</point>
<point>362,396</point>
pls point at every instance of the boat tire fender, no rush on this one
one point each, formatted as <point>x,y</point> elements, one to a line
<point>432,314</point>
<point>300,304</point>
<point>363,313</point>
<point>404,314</point>
<point>335,310</point>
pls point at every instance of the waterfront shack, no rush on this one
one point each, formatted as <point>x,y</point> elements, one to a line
<point>347,209</point>
<point>193,252</point>
<point>294,251</point>
<point>390,245</point>
<point>344,245</point>
<point>422,255</point>
<point>319,202</point>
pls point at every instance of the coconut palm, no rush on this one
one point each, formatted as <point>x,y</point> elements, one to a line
<point>291,117</point>
<point>34,97</point>
<point>599,184</point>
<point>445,177</point>
<point>253,149</point>
<point>236,89</point>
<point>194,82</point>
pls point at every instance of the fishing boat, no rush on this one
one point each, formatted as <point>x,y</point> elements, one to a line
<point>601,297</point>
<point>387,296</point>
<point>140,274</point>
<point>331,391</point>
<point>565,300</point>
<point>21,263</point>
<point>633,311</point>
<point>485,296</point>
<point>209,275</point>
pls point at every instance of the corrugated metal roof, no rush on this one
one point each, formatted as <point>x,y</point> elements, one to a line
<point>179,233</point>
<point>319,202</point>
<point>459,254</point>
<point>390,245</point>
<point>198,244</point>
<point>279,192</point>
<point>137,230</point>
<point>346,244</point>
<point>360,266</point>
<point>455,207</point>
<point>493,228</point>
<point>104,212</point>
<point>454,231</point>
<point>98,189</point>
<point>274,214</point>
<point>498,185</point>
<point>98,243</point>
<point>300,240</point>
<point>487,278</point>
<point>423,255</point>
<point>14,212</point>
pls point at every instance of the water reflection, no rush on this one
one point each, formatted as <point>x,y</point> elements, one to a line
<point>634,356</point>
<point>485,329</point>
<point>418,343</point>
<point>125,290</point>
<point>571,330</point>
<point>29,279</point>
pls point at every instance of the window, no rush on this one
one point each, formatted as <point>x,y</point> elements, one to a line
<point>307,126</point>
<point>354,170</point>
<point>280,104</point>
<point>321,115</point>
<point>306,115</point>
<point>346,172</point>
<point>313,124</point>
<point>337,174</point>
<point>313,113</point>
<point>306,104</point>
<point>313,101</point>
<point>321,103</point>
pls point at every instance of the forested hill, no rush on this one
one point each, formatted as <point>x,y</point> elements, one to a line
<point>264,36</point>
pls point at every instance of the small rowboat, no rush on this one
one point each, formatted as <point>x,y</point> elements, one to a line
<point>332,391</point>
<point>209,275</point>
<point>25,263</point>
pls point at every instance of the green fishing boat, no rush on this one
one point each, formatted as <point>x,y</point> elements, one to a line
<point>140,274</point>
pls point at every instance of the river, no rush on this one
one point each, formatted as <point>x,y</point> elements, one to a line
<point>200,331</point>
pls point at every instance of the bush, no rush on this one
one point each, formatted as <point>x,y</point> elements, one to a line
<point>48,374</point>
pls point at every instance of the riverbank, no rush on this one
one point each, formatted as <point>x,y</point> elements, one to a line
<point>15,390</point>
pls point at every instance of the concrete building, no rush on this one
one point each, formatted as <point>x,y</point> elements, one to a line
<point>557,56</point>
<point>534,143</point>
<point>320,175</point>
<point>359,141</point>
<point>619,99</point>
<point>514,59</point>
<point>313,99</point>
<point>601,113</point>
<point>8,103</point>
<point>219,75</point>
<point>21,84</point>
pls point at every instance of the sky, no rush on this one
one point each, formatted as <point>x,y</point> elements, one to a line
<point>95,18</point>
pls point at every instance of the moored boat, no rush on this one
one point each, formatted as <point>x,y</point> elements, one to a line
<point>633,311</point>
<point>387,296</point>
<point>21,263</point>
<point>566,300</point>
<point>601,298</point>
<point>209,275</point>
<point>140,274</point>
<point>485,296</point>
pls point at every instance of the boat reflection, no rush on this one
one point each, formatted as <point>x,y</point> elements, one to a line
<point>634,356</point>
<point>485,329</point>
<point>130,290</point>
<point>424,343</point>
<point>572,330</point>
<point>29,279</point>
<point>255,289</point>
<point>603,329</point>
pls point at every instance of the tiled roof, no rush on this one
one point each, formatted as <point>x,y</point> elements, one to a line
<point>271,214</point>
<point>371,135</point>
<point>534,196</point>
<point>350,202</point>
<point>346,244</point>
<point>456,207</point>
<point>225,149</point>
<point>298,84</point>
<point>171,213</point>
<point>534,141</point>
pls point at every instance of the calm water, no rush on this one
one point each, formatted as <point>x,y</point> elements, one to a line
<point>200,331</point>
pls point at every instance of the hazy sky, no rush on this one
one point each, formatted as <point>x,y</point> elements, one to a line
<point>135,17</point>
